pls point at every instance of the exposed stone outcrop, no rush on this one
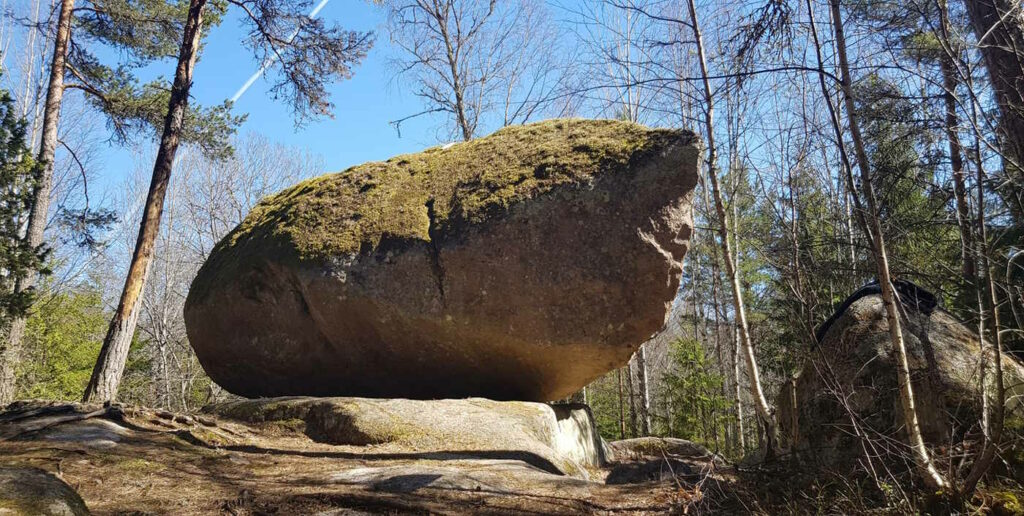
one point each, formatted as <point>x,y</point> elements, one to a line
<point>520,266</point>
<point>658,459</point>
<point>125,460</point>
<point>655,447</point>
<point>556,438</point>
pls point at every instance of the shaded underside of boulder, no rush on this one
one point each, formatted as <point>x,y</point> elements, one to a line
<point>556,438</point>
<point>855,363</point>
<point>29,491</point>
<point>521,266</point>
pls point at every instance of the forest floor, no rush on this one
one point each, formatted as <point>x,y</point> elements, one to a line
<point>142,461</point>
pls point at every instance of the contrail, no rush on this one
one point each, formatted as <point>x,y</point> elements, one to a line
<point>273,57</point>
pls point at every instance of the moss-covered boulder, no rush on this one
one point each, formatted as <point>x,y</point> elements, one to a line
<point>520,266</point>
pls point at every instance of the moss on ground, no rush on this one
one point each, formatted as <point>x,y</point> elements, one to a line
<point>410,196</point>
<point>139,465</point>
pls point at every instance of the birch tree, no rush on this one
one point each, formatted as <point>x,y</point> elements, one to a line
<point>871,226</point>
<point>764,410</point>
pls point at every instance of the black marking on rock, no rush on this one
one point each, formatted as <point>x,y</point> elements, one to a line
<point>913,298</point>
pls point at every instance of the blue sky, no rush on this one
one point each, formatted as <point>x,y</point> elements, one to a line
<point>364,104</point>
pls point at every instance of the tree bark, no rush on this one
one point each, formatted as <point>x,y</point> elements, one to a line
<point>11,344</point>
<point>764,411</point>
<point>741,438</point>
<point>889,299</point>
<point>632,399</point>
<point>106,376</point>
<point>999,26</point>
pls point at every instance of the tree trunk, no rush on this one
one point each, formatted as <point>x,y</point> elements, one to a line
<point>956,161</point>
<point>645,400</point>
<point>999,26</point>
<point>451,55</point>
<point>741,439</point>
<point>921,455</point>
<point>632,399</point>
<point>11,344</point>
<point>622,408</point>
<point>764,411</point>
<point>106,376</point>
<point>994,410</point>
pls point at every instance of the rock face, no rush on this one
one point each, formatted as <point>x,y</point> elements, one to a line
<point>855,356</point>
<point>560,439</point>
<point>518,266</point>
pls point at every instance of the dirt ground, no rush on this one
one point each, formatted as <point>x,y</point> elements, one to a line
<point>140,461</point>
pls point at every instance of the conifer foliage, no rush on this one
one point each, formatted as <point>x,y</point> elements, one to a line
<point>18,258</point>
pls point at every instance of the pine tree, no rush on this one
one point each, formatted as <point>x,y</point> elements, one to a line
<point>311,56</point>
<point>18,259</point>
<point>146,32</point>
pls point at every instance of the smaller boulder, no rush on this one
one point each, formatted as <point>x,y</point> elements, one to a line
<point>659,459</point>
<point>855,361</point>
<point>33,492</point>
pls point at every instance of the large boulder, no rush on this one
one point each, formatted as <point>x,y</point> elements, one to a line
<point>853,372</point>
<point>522,265</point>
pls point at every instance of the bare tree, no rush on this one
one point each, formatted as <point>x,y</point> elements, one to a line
<point>206,200</point>
<point>950,82</point>
<point>645,394</point>
<point>871,226</point>
<point>764,411</point>
<point>473,59</point>
<point>615,57</point>
<point>993,403</point>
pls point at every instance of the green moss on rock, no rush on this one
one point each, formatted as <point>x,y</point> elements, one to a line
<point>412,196</point>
